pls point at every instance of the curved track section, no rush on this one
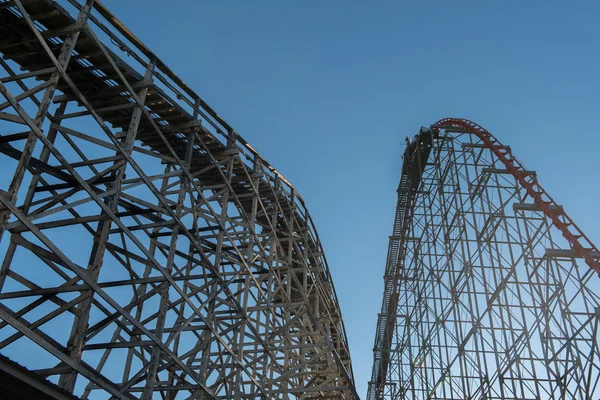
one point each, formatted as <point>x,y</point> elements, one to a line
<point>488,285</point>
<point>147,250</point>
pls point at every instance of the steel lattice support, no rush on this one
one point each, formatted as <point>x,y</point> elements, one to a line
<point>489,285</point>
<point>147,250</point>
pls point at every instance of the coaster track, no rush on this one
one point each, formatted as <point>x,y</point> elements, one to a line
<point>148,250</point>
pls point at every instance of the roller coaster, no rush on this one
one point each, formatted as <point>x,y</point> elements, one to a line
<point>488,288</point>
<point>149,252</point>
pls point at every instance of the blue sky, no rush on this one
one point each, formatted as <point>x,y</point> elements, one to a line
<point>328,90</point>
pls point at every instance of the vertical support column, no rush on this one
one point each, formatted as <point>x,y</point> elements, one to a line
<point>234,387</point>
<point>273,282</point>
<point>79,329</point>
<point>188,268</point>
<point>252,242</point>
<point>210,311</point>
<point>252,238</point>
<point>164,286</point>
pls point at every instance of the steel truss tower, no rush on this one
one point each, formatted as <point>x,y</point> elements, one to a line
<point>147,250</point>
<point>491,290</point>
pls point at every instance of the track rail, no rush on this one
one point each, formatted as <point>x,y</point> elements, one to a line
<point>575,236</point>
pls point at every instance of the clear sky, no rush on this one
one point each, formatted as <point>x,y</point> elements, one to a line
<point>327,91</point>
